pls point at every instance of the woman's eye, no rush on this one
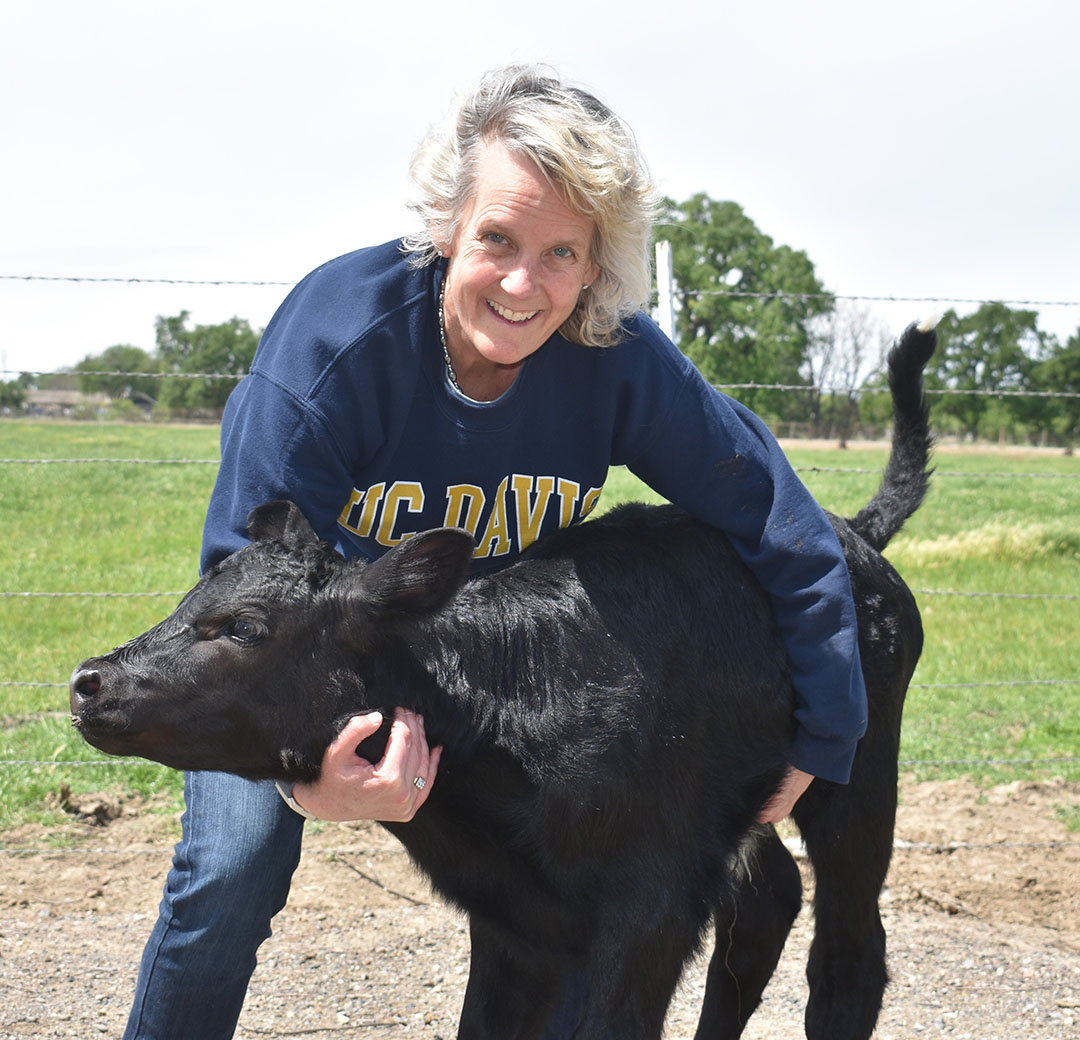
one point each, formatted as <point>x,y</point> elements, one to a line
<point>564,252</point>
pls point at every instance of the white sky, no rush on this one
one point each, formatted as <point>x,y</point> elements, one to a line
<point>923,149</point>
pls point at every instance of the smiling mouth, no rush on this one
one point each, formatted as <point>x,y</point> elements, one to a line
<point>515,317</point>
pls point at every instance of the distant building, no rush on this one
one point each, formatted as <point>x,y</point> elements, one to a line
<point>64,402</point>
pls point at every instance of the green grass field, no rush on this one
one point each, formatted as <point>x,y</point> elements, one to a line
<point>984,690</point>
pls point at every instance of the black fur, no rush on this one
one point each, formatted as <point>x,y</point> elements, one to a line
<point>614,710</point>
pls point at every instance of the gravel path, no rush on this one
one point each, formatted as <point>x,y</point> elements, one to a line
<point>984,939</point>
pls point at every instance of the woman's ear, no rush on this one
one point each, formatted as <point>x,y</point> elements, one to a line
<point>437,231</point>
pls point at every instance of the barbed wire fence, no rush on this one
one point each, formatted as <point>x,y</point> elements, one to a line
<point>59,765</point>
<point>779,294</point>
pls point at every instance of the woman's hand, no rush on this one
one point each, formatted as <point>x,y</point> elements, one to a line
<point>795,782</point>
<point>351,788</point>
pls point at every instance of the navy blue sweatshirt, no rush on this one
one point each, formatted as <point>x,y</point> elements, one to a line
<point>348,411</point>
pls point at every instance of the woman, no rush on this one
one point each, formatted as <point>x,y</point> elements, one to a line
<point>483,373</point>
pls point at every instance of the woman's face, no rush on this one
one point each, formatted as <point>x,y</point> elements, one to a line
<point>518,262</point>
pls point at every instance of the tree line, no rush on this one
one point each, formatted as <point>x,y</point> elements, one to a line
<point>725,270</point>
<point>747,311</point>
<point>190,373</point>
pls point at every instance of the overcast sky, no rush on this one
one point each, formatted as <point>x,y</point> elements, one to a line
<point>925,149</point>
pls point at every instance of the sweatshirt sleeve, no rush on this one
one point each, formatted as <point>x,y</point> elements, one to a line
<point>314,405</point>
<point>274,445</point>
<point>716,459</point>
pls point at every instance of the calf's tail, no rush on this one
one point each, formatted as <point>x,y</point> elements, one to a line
<point>907,474</point>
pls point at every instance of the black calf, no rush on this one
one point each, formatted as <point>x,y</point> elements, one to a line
<point>614,710</point>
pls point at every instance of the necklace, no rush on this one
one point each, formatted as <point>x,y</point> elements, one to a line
<point>442,339</point>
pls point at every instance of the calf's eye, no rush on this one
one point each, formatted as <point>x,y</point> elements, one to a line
<point>243,630</point>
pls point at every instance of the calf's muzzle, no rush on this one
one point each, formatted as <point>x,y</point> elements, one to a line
<point>85,684</point>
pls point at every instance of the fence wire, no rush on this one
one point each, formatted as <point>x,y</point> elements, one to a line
<point>167,594</point>
<point>742,293</point>
<point>1038,763</point>
<point>38,763</point>
<point>111,462</point>
<point>861,471</point>
<point>804,387</point>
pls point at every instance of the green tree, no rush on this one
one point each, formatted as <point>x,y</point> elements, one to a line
<point>124,361</point>
<point>212,350</point>
<point>718,253</point>
<point>1060,373</point>
<point>12,395</point>
<point>996,348</point>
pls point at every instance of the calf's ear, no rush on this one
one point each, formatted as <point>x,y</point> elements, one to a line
<point>422,574</point>
<point>280,522</point>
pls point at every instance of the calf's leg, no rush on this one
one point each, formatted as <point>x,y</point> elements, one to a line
<point>509,996</point>
<point>635,965</point>
<point>848,830</point>
<point>752,925</point>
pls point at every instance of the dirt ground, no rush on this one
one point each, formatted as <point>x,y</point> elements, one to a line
<point>982,909</point>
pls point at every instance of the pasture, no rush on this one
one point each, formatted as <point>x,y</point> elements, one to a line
<point>96,551</point>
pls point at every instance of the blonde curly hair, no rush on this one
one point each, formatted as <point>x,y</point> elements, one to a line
<point>586,152</point>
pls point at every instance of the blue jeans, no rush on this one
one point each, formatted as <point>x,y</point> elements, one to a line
<point>231,872</point>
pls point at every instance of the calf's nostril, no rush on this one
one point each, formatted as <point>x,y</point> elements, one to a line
<point>85,683</point>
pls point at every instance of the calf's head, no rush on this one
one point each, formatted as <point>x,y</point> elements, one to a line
<point>257,669</point>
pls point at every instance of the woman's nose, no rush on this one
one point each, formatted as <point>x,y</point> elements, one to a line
<point>520,279</point>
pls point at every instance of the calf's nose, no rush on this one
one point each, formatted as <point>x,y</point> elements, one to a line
<point>85,683</point>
